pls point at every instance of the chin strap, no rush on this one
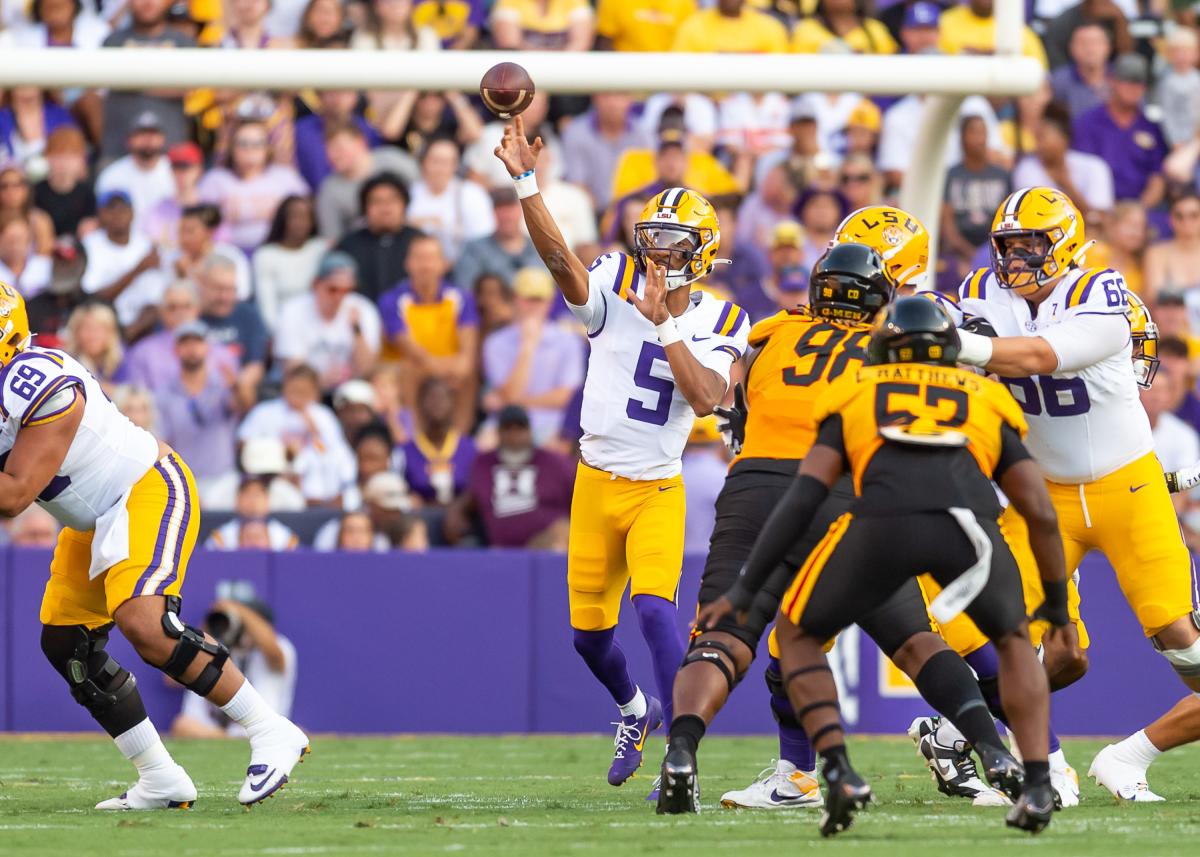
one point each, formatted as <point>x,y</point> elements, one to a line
<point>672,286</point>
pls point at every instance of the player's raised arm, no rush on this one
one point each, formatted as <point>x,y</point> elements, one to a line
<point>520,158</point>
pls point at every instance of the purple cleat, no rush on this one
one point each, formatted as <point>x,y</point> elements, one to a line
<point>630,739</point>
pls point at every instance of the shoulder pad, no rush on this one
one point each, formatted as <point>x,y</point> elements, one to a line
<point>1097,290</point>
<point>616,272</point>
<point>731,319</point>
<point>28,380</point>
<point>977,284</point>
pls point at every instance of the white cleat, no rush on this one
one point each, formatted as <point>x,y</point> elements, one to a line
<point>781,787</point>
<point>951,765</point>
<point>1124,780</point>
<point>1064,781</point>
<point>272,758</point>
<point>177,793</point>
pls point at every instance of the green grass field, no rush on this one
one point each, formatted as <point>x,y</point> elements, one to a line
<point>536,796</point>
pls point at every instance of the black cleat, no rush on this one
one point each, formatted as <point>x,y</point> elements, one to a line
<point>1002,770</point>
<point>1033,810</point>
<point>679,791</point>
<point>843,797</point>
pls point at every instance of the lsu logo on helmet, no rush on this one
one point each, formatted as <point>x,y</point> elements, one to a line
<point>898,237</point>
<point>14,323</point>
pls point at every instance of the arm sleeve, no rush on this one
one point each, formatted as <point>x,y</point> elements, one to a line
<point>1012,451</point>
<point>1086,339</point>
<point>829,434</point>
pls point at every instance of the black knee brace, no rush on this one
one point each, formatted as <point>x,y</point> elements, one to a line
<point>709,652</point>
<point>97,682</point>
<point>191,643</point>
<point>785,717</point>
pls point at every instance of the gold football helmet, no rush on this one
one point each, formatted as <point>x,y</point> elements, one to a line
<point>14,323</point>
<point>1145,341</point>
<point>895,235</point>
<point>684,224</point>
<point>1037,236</point>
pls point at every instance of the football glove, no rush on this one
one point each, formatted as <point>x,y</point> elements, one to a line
<point>1183,480</point>
<point>731,421</point>
<point>979,324</point>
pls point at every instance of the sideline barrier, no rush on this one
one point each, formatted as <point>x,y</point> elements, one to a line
<point>477,641</point>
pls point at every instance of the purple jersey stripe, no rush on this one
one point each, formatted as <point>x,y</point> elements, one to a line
<point>163,526</point>
<point>173,464</point>
<point>54,386</point>
<point>723,317</point>
<point>620,274</point>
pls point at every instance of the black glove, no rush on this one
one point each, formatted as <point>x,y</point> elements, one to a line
<point>1054,608</point>
<point>732,420</point>
<point>980,325</point>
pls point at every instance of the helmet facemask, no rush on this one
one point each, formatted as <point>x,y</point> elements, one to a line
<point>1024,268</point>
<point>674,246</point>
<point>1145,355</point>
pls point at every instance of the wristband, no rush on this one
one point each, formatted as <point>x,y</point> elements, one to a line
<point>526,184</point>
<point>668,332</point>
<point>974,349</point>
<point>1054,608</point>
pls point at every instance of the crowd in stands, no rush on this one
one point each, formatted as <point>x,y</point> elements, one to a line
<point>327,301</point>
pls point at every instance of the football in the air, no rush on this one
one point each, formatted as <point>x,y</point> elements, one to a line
<point>506,89</point>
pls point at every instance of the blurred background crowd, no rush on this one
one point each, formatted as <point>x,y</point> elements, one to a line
<point>327,302</point>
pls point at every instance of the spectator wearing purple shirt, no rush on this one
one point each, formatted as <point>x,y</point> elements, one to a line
<point>151,362</point>
<point>196,409</point>
<point>530,363</point>
<point>336,107</point>
<point>1082,83</point>
<point>437,460</point>
<point>593,143</point>
<point>522,494</point>
<point>1119,132</point>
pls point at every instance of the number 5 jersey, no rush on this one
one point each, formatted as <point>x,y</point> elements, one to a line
<point>635,419</point>
<point>108,454</point>
<point>1085,420</point>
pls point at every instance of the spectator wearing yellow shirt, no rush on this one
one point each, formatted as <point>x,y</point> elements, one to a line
<point>638,168</point>
<point>543,25</point>
<point>731,28</point>
<point>456,22</point>
<point>845,20</point>
<point>971,29</point>
<point>640,25</point>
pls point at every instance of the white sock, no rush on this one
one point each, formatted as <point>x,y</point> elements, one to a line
<point>1139,750</point>
<point>249,710</point>
<point>635,707</point>
<point>142,746</point>
<point>1058,760</point>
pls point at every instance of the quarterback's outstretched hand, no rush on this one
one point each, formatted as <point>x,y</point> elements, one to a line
<point>515,150</point>
<point>732,420</point>
<point>653,304</point>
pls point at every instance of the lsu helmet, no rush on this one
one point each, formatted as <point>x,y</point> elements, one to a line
<point>895,235</point>
<point>850,283</point>
<point>685,223</point>
<point>14,323</point>
<point>914,330</point>
<point>1052,223</point>
<point>1145,341</point>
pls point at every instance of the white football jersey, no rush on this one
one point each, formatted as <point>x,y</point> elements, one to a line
<point>107,456</point>
<point>635,420</point>
<point>1082,425</point>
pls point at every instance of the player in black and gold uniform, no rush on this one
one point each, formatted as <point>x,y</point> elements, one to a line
<point>923,441</point>
<point>796,356</point>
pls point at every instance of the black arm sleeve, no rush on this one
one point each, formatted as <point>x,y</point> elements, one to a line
<point>791,516</point>
<point>1012,450</point>
<point>829,434</point>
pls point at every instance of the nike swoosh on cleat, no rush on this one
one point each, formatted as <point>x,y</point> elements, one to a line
<point>778,798</point>
<point>261,784</point>
<point>641,742</point>
<point>1133,489</point>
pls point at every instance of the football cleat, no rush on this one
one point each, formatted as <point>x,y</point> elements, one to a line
<point>679,786</point>
<point>952,767</point>
<point>846,795</point>
<point>272,757</point>
<point>178,793</point>
<point>1002,771</point>
<point>630,741</point>
<point>1124,780</point>
<point>1033,810</point>
<point>781,787</point>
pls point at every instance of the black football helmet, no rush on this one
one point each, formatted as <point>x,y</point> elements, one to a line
<point>850,283</point>
<point>914,330</point>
